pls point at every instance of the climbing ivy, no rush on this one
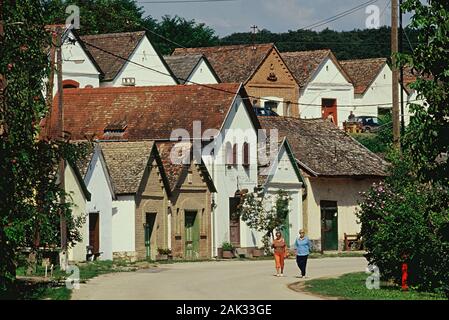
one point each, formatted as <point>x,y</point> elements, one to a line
<point>30,207</point>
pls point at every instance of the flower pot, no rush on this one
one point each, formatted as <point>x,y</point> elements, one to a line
<point>257,253</point>
<point>228,254</point>
<point>162,257</point>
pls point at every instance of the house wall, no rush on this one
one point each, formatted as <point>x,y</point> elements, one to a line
<point>228,180</point>
<point>284,178</point>
<point>346,192</point>
<point>202,74</point>
<point>73,188</point>
<point>123,227</point>
<point>327,83</point>
<point>152,198</point>
<point>191,196</point>
<point>145,55</point>
<point>101,201</point>
<point>77,66</point>
<point>379,95</point>
<point>284,88</point>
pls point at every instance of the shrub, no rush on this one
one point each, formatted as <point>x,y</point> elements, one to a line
<point>404,220</point>
<point>226,246</point>
<point>162,251</point>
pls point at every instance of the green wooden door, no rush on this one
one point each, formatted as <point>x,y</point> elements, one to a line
<point>329,225</point>
<point>149,225</point>
<point>286,231</point>
<point>192,235</point>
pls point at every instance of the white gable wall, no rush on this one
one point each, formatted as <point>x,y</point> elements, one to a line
<point>379,95</point>
<point>77,66</point>
<point>202,74</point>
<point>144,55</point>
<point>283,177</point>
<point>101,201</point>
<point>123,225</point>
<point>228,180</point>
<point>73,188</point>
<point>327,83</point>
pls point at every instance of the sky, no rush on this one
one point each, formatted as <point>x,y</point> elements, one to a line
<point>227,17</point>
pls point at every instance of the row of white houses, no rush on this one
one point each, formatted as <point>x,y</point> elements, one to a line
<point>119,89</point>
<point>324,84</point>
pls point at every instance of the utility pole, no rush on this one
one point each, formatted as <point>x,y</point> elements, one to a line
<point>401,50</point>
<point>63,224</point>
<point>395,88</point>
<point>254,29</point>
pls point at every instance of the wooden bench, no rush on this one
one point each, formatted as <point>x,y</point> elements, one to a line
<point>353,242</point>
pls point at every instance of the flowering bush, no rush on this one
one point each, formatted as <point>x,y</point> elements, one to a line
<point>258,216</point>
<point>404,220</point>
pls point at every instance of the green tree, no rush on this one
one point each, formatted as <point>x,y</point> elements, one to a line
<point>99,16</point>
<point>30,207</point>
<point>427,137</point>
<point>258,215</point>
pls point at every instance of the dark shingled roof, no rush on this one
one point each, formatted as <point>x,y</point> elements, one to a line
<point>363,72</point>
<point>126,162</point>
<point>83,163</point>
<point>121,44</point>
<point>150,113</point>
<point>182,66</point>
<point>324,150</point>
<point>232,63</point>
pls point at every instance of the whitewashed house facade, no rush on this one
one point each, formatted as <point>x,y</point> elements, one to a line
<point>192,69</point>
<point>326,90</point>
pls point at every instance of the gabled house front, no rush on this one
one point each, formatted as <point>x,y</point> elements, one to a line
<point>325,89</point>
<point>262,70</point>
<point>373,80</point>
<point>192,69</point>
<point>336,169</point>
<point>218,120</point>
<point>282,173</point>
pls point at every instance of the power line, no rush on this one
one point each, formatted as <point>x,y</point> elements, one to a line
<point>219,89</point>
<point>338,16</point>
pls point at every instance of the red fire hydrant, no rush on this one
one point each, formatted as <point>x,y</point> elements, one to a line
<point>404,276</point>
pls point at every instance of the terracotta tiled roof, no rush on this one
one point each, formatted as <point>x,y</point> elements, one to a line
<point>363,72</point>
<point>232,63</point>
<point>324,150</point>
<point>182,66</point>
<point>303,64</point>
<point>143,112</point>
<point>126,162</point>
<point>121,44</point>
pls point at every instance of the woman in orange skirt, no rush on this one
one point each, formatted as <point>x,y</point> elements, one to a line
<point>280,249</point>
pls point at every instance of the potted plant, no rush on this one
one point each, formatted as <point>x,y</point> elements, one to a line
<point>163,254</point>
<point>228,250</point>
<point>258,252</point>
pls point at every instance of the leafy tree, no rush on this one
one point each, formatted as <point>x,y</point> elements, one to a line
<point>257,213</point>
<point>112,16</point>
<point>187,33</point>
<point>406,219</point>
<point>428,134</point>
<point>30,207</point>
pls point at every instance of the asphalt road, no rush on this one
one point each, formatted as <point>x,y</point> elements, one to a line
<point>223,280</point>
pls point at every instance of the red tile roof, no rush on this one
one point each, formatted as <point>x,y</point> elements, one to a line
<point>121,44</point>
<point>136,113</point>
<point>304,64</point>
<point>363,72</point>
<point>232,63</point>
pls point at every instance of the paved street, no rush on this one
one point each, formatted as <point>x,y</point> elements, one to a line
<point>235,280</point>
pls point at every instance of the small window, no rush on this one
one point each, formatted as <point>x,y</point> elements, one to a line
<point>272,105</point>
<point>228,153</point>
<point>246,154</point>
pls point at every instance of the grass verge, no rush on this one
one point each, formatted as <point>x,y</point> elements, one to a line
<point>352,286</point>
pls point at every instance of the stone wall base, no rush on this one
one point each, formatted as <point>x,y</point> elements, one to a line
<point>130,256</point>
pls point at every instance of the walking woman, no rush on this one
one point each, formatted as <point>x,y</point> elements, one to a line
<point>280,250</point>
<point>303,247</point>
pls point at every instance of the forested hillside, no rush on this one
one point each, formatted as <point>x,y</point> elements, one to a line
<point>368,43</point>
